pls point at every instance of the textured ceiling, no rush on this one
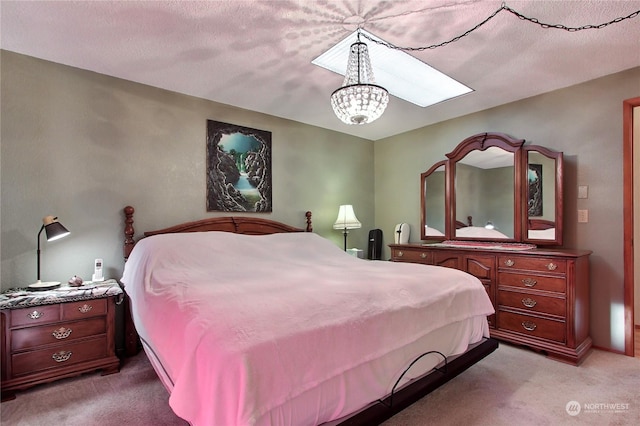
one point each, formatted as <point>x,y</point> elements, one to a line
<point>257,54</point>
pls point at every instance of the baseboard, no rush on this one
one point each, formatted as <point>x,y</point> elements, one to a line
<point>615,351</point>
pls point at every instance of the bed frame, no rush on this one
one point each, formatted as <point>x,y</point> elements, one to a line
<point>376,412</point>
<point>540,224</point>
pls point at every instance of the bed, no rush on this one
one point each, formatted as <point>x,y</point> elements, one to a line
<point>541,229</point>
<point>249,321</point>
<point>468,230</point>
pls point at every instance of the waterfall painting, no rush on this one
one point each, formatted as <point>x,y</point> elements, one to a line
<point>535,189</point>
<point>238,168</point>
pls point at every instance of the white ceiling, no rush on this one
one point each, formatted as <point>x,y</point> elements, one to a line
<point>257,54</point>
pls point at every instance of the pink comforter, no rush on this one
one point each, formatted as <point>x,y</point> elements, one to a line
<point>244,324</point>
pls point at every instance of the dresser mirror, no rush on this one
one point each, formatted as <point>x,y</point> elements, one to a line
<point>494,188</point>
<point>543,195</point>
<point>433,202</point>
<point>484,188</point>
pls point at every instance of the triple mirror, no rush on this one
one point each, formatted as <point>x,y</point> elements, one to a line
<point>493,187</point>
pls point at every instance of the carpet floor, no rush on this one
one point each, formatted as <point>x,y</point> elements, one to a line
<point>512,386</point>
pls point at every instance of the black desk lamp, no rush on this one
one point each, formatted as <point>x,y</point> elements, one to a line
<point>54,231</point>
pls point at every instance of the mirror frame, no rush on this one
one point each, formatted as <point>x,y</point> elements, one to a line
<point>558,157</point>
<point>481,142</point>
<point>423,210</point>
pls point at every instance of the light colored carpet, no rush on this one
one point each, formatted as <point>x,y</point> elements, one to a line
<point>512,386</point>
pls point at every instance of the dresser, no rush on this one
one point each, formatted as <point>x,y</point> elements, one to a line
<point>55,334</point>
<point>541,296</point>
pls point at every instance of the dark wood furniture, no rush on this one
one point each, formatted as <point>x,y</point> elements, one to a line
<point>495,178</point>
<point>541,296</point>
<point>378,411</point>
<point>50,341</point>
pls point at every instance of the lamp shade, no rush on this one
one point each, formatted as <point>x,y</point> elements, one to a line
<point>54,229</point>
<point>347,218</point>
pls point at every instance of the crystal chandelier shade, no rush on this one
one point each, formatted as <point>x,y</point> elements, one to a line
<point>359,100</point>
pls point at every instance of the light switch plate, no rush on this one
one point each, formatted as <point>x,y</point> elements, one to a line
<point>583,191</point>
<point>583,216</point>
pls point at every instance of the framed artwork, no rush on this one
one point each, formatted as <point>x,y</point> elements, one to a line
<point>238,168</point>
<point>534,177</point>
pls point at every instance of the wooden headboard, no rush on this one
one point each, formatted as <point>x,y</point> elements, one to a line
<point>540,224</point>
<point>460,224</point>
<point>235,224</point>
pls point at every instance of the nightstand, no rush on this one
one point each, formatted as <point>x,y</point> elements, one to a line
<point>53,334</point>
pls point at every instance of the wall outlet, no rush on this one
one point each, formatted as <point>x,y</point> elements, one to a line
<point>583,191</point>
<point>583,216</point>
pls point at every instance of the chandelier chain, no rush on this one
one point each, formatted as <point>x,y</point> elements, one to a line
<point>520,16</point>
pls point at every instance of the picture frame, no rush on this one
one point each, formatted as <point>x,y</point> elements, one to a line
<point>535,200</point>
<point>238,168</point>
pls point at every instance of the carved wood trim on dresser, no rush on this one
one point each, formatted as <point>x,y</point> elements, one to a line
<point>541,296</point>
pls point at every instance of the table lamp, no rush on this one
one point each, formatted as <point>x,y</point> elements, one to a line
<point>346,220</point>
<point>54,230</point>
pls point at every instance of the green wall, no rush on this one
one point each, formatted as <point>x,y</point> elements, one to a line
<point>81,146</point>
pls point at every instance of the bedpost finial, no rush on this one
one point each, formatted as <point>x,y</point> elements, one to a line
<point>128,231</point>
<point>309,225</point>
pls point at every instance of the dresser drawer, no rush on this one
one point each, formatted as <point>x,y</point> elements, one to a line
<point>415,256</point>
<point>36,315</point>
<point>537,282</point>
<point>31,337</point>
<point>539,264</point>
<point>59,356</point>
<point>533,302</point>
<point>84,309</point>
<point>532,326</point>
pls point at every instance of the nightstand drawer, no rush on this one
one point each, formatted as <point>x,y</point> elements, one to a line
<point>532,326</point>
<point>416,256</point>
<point>537,282</point>
<point>84,309</point>
<point>533,264</point>
<point>59,356</point>
<point>532,302</point>
<point>30,337</point>
<point>36,315</point>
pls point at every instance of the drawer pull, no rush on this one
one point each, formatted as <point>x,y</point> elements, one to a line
<point>61,333</point>
<point>400,254</point>
<point>423,255</point>
<point>85,308</point>
<point>35,315</point>
<point>529,282</point>
<point>552,266</point>
<point>509,262</point>
<point>61,356</point>
<point>529,302</point>
<point>529,325</point>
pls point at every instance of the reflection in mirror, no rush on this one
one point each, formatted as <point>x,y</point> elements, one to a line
<point>433,191</point>
<point>484,194</point>
<point>541,201</point>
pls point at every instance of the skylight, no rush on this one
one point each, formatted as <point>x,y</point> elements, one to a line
<point>401,74</point>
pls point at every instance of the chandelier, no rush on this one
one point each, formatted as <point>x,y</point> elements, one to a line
<point>359,100</point>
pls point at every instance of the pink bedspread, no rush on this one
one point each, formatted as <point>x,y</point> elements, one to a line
<point>243,324</point>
